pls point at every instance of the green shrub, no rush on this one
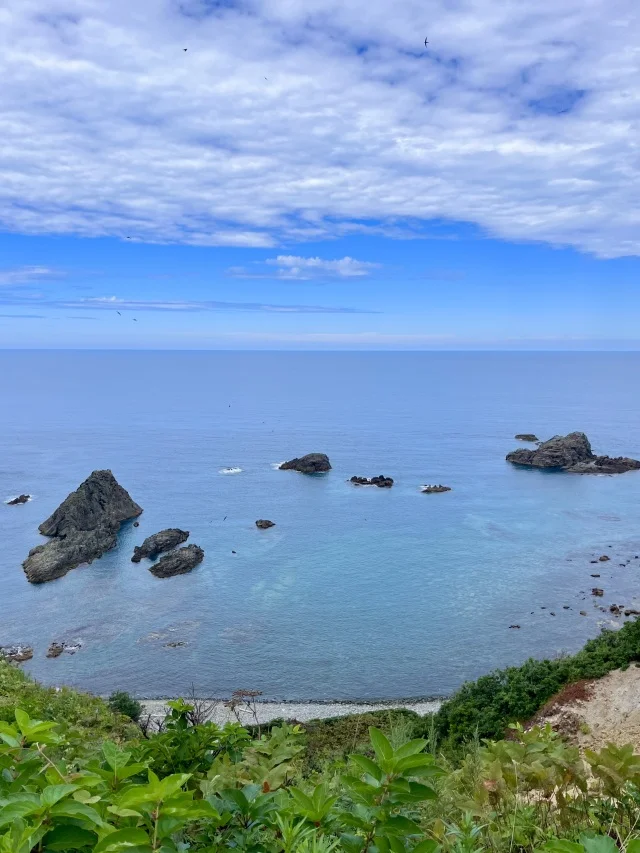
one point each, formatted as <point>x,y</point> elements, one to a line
<point>484,708</point>
<point>124,703</point>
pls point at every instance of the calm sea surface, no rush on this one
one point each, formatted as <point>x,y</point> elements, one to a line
<point>356,593</point>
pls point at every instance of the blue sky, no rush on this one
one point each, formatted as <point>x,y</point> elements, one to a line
<point>307,176</point>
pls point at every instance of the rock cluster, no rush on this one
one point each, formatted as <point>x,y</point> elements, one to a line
<point>380,481</point>
<point>571,453</point>
<point>526,436</point>
<point>178,562</point>
<point>17,654</point>
<point>83,528</point>
<point>21,499</point>
<point>158,543</point>
<point>264,524</point>
<point>431,490</point>
<point>312,463</point>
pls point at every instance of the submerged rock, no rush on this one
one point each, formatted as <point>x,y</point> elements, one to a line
<point>21,499</point>
<point>527,436</point>
<point>156,544</point>
<point>432,490</point>
<point>571,453</point>
<point>83,528</point>
<point>312,463</point>
<point>380,481</point>
<point>263,524</point>
<point>604,559</point>
<point>178,562</point>
<point>597,592</point>
<point>17,653</point>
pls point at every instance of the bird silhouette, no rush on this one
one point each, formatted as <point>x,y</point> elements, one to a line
<point>119,314</point>
<point>185,49</point>
<point>135,320</point>
<point>426,42</point>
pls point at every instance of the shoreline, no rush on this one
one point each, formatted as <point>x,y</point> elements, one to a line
<point>303,712</point>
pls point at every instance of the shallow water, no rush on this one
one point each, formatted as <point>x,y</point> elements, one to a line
<point>356,592</point>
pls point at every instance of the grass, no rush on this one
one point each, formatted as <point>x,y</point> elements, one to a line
<point>87,714</point>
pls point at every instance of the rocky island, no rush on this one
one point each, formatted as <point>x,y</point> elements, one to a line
<point>526,436</point>
<point>312,463</point>
<point>264,524</point>
<point>83,528</point>
<point>380,481</point>
<point>158,543</point>
<point>21,499</point>
<point>572,453</point>
<point>434,490</point>
<point>178,562</point>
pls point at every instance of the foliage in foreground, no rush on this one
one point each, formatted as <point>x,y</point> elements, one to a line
<point>206,788</point>
<point>484,708</point>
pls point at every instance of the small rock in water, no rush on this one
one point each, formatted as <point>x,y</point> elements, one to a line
<point>583,612</point>
<point>514,626</point>
<point>381,481</point>
<point>234,552</point>
<point>264,523</point>
<point>176,644</point>
<point>566,607</point>
<point>158,543</point>
<point>595,576</point>
<point>551,613</point>
<point>21,499</point>
<point>597,591</point>
<point>178,562</point>
<point>55,650</point>
<point>527,436</point>
<point>312,463</point>
<point>432,490</point>
<point>136,524</point>
<point>604,559</point>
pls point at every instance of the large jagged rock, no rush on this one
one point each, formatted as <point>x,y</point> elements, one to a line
<point>16,654</point>
<point>160,542</point>
<point>572,453</point>
<point>83,528</point>
<point>100,500</point>
<point>312,463</point>
<point>178,562</point>
<point>21,499</point>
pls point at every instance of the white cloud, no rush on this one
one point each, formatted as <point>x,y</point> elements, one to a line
<point>293,267</point>
<point>520,119</point>
<point>115,303</point>
<point>25,275</point>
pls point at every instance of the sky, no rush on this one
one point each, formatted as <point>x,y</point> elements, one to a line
<point>307,174</point>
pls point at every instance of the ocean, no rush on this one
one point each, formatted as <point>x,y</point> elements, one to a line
<point>356,593</point>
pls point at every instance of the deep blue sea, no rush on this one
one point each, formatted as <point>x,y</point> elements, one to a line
<point>356,592</point>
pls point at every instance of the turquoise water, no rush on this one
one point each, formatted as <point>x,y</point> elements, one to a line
<point>356,593</point>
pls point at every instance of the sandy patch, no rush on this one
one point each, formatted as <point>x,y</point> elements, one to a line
<point>594,713</point>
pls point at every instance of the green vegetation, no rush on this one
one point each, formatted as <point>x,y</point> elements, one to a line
<point>77,775</point>
<point>485,708</point>
<point>124,703</point>
<point>78,712</point>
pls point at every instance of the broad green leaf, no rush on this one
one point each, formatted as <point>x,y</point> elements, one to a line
<point>368,766</point>
<point>426,846</point>
<point>560,845</point>
<point>69,837</point>
<point>123,839</point>
<point>123,812</point>
<point>381,745</point>
<point>302,800</point>
<point>53,793</point>
<point>396,844</point>
<point>413,747</point>
<point>599,843</point>
<point>399,825</point>
<point>71,808</point>
<point>22,719</point>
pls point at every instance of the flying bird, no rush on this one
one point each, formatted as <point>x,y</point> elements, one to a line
<point>135,320</point>
<point>118,313</point>
<point>426,42</point>
<point>185,49</point>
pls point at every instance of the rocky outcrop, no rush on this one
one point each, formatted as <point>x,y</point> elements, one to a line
<point>83,528</point>
<point>527,436</point>
<point>264,524</point>
<point>158,543</point>
<point>178,562</point>
<point>380,481</point>
<point>312,463</point>
<point>16,654</point>
<point>434,490</point>
<point>55,650</point>
<point>21,499</point>
<point>571,453</point>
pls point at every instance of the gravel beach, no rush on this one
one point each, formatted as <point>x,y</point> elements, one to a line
<point>301,711</point>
